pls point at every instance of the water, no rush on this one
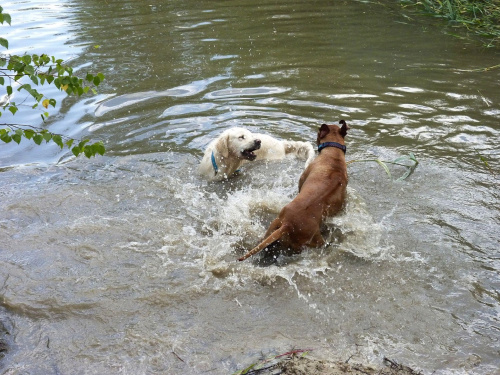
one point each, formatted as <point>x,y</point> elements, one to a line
<point>127,263</point>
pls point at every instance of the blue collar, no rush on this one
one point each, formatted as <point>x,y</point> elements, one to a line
<point>214,164</point>
<point>330,144</point>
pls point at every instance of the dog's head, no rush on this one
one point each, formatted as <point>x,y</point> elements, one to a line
<point>332,133</point>
<point>238,142</point>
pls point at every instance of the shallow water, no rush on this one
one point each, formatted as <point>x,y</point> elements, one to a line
<point>127,263</point>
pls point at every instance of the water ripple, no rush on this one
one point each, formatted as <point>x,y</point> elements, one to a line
<point>128,100</point>
<point>245,92</point>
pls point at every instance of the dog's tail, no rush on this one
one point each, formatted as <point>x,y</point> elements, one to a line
<point>273,237</point>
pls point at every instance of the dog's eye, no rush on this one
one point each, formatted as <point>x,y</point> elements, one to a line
<point>241,137</point>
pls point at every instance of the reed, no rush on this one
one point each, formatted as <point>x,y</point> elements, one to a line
<point>480,17</point>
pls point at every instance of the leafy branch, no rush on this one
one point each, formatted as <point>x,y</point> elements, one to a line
<point>42,69</point>
<point>17,132</point>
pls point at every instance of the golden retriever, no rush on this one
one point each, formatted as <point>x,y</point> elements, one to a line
<point>236,146</point>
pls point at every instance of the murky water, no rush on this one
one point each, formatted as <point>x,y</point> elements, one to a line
<point>127,263</point>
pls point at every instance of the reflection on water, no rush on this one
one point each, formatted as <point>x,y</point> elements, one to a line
<point>127,263</point>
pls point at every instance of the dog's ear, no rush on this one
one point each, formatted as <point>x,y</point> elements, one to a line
<point>323,132</point>
<point>222,146</point>
<point>344,128</point>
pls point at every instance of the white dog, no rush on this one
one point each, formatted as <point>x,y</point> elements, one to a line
<point>236,146</point>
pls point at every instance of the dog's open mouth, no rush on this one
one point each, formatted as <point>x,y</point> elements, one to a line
<point>249,152</point>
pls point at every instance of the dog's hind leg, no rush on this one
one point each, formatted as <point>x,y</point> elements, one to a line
<point>317,240</point>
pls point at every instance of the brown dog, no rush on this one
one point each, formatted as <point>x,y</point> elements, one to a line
<point>322,191</point>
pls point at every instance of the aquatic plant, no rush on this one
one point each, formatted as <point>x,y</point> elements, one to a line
<point>401,161</point>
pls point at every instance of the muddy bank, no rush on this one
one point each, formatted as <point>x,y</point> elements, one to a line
<point>298,362</point>
<point>310,366</point>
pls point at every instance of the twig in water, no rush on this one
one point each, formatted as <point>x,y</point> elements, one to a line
<point>258,367</point>
<point>179,358</point>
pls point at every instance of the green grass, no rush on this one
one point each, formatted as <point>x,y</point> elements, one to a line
<point>479,17</point>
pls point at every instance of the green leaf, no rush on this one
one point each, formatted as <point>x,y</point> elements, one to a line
<point>89,77</point>
<point>96,81</point>
<point>6,137</point>
<point>4,43</point>
<point>58,140</point>
<point>87,150</point>
<point>13,109</point>
<point>69,143</point>
<point>52,102</point>
<point>29,70</point>
<point>83,143</point>
<point>2,81</point>
<point>383,165</point>
<point>16,138</point>
<point>18,66</point>
<point>27,59</point>
<point>29,133</point>
<point>76,150</point>
<point>26,87</point>
<point>38,138</point>
<point>6,18</point>
<point>99,148</point>
<point>9,90</point>
<point>47,136</point>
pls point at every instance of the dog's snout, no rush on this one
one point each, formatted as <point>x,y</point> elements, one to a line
<point>257,143</point>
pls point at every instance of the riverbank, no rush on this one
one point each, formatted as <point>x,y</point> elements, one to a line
<point>298,362</point>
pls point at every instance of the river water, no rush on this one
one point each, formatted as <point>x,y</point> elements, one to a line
<point>126,263</point>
